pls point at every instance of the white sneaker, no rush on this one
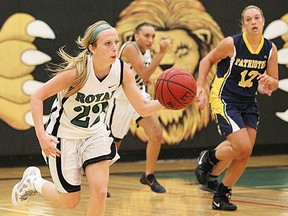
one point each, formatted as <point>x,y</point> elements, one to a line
<point>25,188</point>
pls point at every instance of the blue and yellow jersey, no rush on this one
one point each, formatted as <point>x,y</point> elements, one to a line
<point>236,77</point>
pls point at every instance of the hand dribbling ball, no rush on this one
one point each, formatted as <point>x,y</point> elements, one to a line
<point>175,88</point>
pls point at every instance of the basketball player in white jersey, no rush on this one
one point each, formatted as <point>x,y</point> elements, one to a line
<point>76,137</point>
<point>137,53</point>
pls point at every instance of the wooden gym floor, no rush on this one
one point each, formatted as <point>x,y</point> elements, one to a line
<point>262,190</point>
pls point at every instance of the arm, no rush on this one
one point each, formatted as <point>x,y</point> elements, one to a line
<point>224,49</point>
<point>141,105</point>
<point>270,78</point>
<point>48,89</point>
<point>130,54</point>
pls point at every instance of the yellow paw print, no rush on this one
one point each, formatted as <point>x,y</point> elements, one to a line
<point>19,57</point>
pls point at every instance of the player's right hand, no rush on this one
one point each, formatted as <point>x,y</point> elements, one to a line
<point>48,145</point>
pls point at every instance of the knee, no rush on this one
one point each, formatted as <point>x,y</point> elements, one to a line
<point>99,194</point>
<point>156,136</point>
<point>103,194</point>
<point>244,151</point>
<point>71,203</point>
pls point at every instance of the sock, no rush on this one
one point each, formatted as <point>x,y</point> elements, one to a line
<point>150,177</point>
<point>212,178</point>
<point>39,183</point>
<point>222,189</point>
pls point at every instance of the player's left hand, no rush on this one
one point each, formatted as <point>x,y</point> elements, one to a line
<point>164,44</point>
<point>263,89</point>
<point>265,79</point>
<point>201,96</point>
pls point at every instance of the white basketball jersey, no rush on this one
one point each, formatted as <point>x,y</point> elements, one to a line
<point>146,59</point>
<point>82,114</point>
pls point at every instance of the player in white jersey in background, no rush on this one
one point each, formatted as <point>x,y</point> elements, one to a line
<point>76,137</point>
<point>137,53</point>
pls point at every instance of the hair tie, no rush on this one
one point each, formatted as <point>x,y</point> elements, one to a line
<point>98,30</point>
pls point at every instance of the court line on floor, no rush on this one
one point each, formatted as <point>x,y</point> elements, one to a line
<point>21,211</point>
<point>236,195</point>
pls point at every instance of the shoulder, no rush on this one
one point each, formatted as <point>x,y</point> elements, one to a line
<point>228,41</point>
<point>226,44</point>
<point>274,50</point>
<point>237,39</point>
<point>273,45</point>
<point>128,50</point>
<point>224,49</point>
<point>62,80</point>
<point>237,36</point>
<point>269,43</point>
<point>130,45</point>
<point>68,76</point>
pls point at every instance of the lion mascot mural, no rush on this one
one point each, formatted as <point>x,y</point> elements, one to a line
<point>279,28</point>
<point>193,33</point>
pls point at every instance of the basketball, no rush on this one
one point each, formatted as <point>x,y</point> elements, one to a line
<point>175,88</point>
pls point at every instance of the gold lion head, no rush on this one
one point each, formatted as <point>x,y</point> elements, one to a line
<point>193,33</point>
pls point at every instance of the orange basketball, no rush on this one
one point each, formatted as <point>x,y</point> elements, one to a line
<point>175,88</point>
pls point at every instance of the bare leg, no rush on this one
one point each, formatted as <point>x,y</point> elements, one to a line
<point>64,200</point>
<point>118,144</point>
<point>238,166</point>
<point>242,143</point>
<point>153,130</point>
<point>98,176</point>
<point>221,165</point>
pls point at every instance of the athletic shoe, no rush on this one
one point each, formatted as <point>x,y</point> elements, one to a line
<point>25,188</point>
<point>152,182</point>
<point>204,168</point>
<point>221,201</point>
<point>211,186</point>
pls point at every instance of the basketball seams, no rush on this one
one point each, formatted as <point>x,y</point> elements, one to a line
<point>180,102</point>
<point>170,81</point>
<point>159,85</point>
<point>171,93</point>
<point>162,91</point>
<point>162,81</point>
<point>175,75</point>
<point>175,88</point>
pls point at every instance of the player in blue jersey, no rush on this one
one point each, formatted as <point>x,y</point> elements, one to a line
<point>245,62</point>
<point>76,138</point>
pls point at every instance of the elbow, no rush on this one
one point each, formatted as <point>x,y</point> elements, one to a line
<point>145,78</point>
<point>142,113</point>
<point>35,98</point>
<point>204,62</point>
<point>32,97</point>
